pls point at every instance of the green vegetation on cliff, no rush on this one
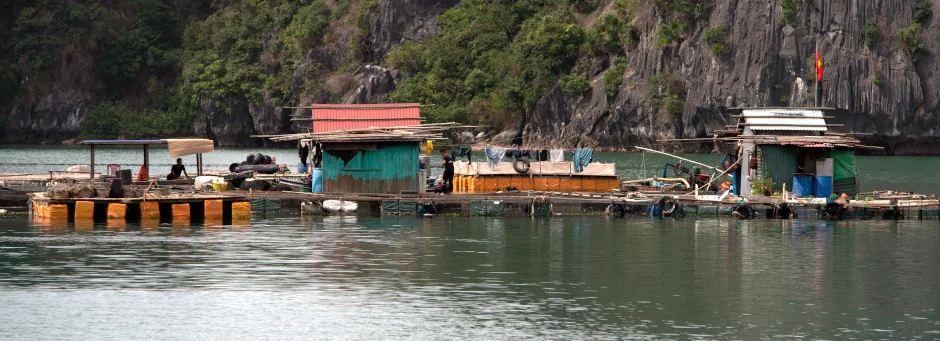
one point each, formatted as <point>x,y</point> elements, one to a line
<point>490,61</point>
<point>142,68</point>
<point>150,63</point>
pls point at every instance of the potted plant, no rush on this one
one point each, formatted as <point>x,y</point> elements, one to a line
<point>763,186</point>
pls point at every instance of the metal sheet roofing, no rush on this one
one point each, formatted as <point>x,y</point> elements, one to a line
<point>815,144</point>
<point>177,147</point>
<point>784,119</point>
<point>333,117</point>
<point>124,142</point>
<point>370,140</point>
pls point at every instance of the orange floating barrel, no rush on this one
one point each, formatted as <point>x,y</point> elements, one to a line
<point>84,210</point>
<point>241,210</point>
<point>117,211</point>
<point>150,210</point>
<point>59,211</point>
<point>180,211</point>
<point>213,209</point>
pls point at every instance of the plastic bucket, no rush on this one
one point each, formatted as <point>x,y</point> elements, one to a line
<point>317,181</point>
<point>822,186</point>
<point>803,185</point>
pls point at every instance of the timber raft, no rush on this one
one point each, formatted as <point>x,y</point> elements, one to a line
<point>380,171</point>
<point>545,204</point>
<point>238,207</point>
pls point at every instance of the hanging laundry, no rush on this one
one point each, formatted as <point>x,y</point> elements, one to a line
<point>494,156</point>
<point>557,155</point>
<point>460,151</point>
<point>317,155</point>
<point>542,155</point>
<point>428,147</point>
<point>581,158</point>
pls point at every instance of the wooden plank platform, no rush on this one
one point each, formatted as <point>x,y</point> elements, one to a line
<point>168,199</point>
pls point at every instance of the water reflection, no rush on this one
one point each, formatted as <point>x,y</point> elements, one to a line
<point>492,278</point>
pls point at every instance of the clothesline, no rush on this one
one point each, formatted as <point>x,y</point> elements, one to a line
<point>579,157</point>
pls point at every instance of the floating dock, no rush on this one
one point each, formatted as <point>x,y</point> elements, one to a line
<point>239,206</point>
<point>177,207</point>
<point>544,204</point>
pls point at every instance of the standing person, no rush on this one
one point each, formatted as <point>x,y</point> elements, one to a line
<point>177,170</point>
<point>304,150</point>
<point>447,163</point>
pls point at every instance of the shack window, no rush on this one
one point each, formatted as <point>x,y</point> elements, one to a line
<point>355,163</point>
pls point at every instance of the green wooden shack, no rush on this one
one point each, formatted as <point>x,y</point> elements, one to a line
<point>371,166</point>
<point>790,143</point>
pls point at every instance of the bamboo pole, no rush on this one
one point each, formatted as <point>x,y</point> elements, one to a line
<point>678,157</point>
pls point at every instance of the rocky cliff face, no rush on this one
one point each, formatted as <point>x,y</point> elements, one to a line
<point>389,24</point>
<point>881,90</point>
<point>345,69</point>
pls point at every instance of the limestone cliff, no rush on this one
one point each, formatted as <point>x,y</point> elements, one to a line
<point>880,73</point>
<point>880,90</point>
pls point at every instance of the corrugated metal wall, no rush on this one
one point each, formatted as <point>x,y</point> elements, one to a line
<point>391,168</point>
<point>779,163</point>
<point>333,119</point>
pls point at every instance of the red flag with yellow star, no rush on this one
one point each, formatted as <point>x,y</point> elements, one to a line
<point>819,68</point>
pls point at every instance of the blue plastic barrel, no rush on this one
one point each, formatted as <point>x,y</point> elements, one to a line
<point>317,180</point>
<point>301,168</point>
<point>822,186</point>
<point>803,185</point>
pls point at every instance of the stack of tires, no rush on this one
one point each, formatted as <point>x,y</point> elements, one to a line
<point>257,162</point>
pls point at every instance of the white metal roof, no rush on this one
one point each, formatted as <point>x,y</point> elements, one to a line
<point>784,119</point>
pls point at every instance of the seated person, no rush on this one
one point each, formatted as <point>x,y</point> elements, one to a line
<point>177,169</point>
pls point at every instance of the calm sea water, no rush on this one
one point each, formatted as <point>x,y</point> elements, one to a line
<point>899,173</point>
<point>449,278</point>
<point>564,278</point>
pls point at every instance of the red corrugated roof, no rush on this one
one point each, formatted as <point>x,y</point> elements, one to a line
<point>332,117</point>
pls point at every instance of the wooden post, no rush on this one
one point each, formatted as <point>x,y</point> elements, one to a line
<point>199,164</point>
<point>147,160</point>
<point>92,166</point>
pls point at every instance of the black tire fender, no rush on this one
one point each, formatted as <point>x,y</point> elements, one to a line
<point>521,165</point>
<point>668,205</point>
<point>743,212</point>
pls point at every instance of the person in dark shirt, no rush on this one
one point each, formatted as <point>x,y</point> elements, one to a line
<point>303,151</point>
<point>447,163</point>
<point>177,170</point>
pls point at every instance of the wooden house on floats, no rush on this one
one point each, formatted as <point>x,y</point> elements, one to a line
<point>365,148</point>
<point>789,150</point>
